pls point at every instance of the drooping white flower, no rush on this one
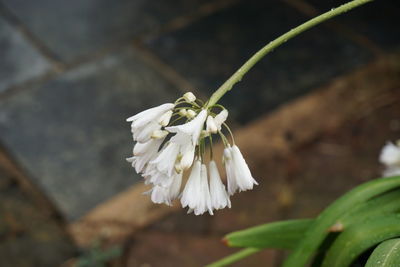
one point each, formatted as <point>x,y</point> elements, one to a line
<point>390,157</point>
<point>189,97</point>
<point>168,192</point>
<point>165,160</point>
<point>221,118</point>
<point>219,196</point>
<point>143,153</point>
<point>211,125</point>
<point>189,196</point>
<point>196,194</point>
<point>237,171</point>
<point>146,122</point>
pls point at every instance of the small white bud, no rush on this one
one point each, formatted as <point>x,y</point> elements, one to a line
<point>189,97</point>
<point>158,134</point>
<point>211,126</point>
<point>183,112</point>
<point>204,134</point>
<point>191,114</point>
<point>165,118</point>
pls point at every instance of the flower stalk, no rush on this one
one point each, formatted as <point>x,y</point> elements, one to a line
<point>238,75</point>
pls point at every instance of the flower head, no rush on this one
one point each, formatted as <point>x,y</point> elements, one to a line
<point>165,149</point>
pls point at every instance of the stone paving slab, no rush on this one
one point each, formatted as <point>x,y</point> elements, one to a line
<point>71,135</point>
<point>377,20</point>
<point>75,28</point>
<point>210,50</point>
<point>20,61</point>
<point>28,235</point>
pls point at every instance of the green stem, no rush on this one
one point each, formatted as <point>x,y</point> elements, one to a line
<point>234,257</point>
<point>238,75</point>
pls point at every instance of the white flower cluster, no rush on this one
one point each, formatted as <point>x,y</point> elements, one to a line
<point>390,157</point>
<point>162,158</point>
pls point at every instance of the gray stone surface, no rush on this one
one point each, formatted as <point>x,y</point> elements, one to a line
<point>20,61</point>
<point>75,28</point>
<point>210,50</point>
<point>71,135</point>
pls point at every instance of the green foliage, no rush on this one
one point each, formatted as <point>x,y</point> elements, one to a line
<point>387,254</point>
<point>354,223</point>
<point>98,257</point>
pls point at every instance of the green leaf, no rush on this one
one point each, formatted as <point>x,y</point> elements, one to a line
<point>387,254</point>
<point>234,257</point>
<point>360,237</point>
<point>286,234</point>
<point>283,235</point>
<point>318,231</point>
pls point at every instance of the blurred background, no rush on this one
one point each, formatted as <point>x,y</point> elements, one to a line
<point>310,118</point>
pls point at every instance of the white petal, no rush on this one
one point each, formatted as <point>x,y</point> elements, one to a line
<point>150,147</point>
<point>144,133</point>
<point>190,195</point>
<point>150,114</point>
<point>219,196</point>
<point>244,179</point>
<point>165,118</point>
<point>390,154</point>
<point>165,160</point>
<point>192,128</point>
<point>221,118</point>
<point>175,187</point>
<point>205,201</point>
<point>230,171</point>
<point>187,156</point>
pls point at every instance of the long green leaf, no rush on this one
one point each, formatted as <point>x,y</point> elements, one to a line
<point>234,257</point>
<point>287,234</point>
<point>358,238</point>
<point>282,235</point>
<point>318,231</point>
<point>387,254</point>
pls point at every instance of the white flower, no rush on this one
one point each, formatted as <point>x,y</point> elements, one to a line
<point>211,126</point>
<point>191,129</point>
<point>219,196</point>
<point>165,160</point>
<point>143,153</point>
<point>196,194</point>
<point>390,154</point>
<point>189,97</point>
<point>237,171</point>
<point>187,136</point>
<point>221,118</point>
<point>166,193</point>
<point>146,122</point>
<point>390,157</point>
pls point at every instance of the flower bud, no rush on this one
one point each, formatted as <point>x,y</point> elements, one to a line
<point>221,118</point>
<point>183,112</point>
<point>191,114</point>
<point>158,134</point>
<point>211,126</point>
<point>189,97</point>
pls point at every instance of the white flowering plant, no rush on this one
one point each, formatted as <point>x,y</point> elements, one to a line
<point>172,139</point>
